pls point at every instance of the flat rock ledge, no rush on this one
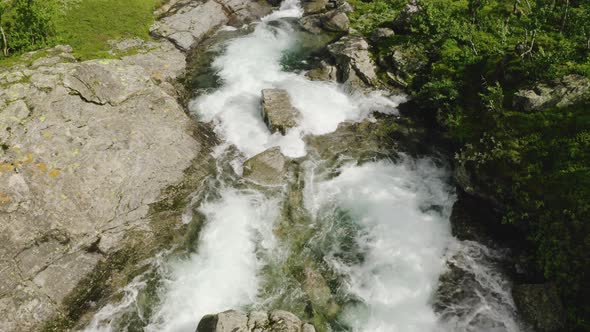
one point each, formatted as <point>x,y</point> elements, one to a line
<point>188,22</point>
<point>267,168</point>
<point>86,148</point>
<point>277,111</point>
<point>255,321</point>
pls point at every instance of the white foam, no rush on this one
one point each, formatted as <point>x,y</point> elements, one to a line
<point>403,243</point>
<point>222,274</point>
<point>252,63</point>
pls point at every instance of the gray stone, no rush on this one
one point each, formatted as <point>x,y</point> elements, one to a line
<point>560,93</point>
<point>284,321</point>
<point>381,33</point>
<point>403,20</point>
<point>277,111</point>
<point>355,67</point>
<point>307,328</point>
<point>335,21</point>
<point>314,6</point>
<point>267,168</point>
<point>258,321</point>
<point>324,72</point>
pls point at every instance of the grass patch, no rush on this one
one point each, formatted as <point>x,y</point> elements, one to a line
<point>90,24</point>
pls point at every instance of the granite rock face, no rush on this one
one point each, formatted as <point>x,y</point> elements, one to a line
<point>256,321</point>
<point>540,306</point>
<point>267,168</point>
<point>356,70</point>
<point>187,25</point>
<point>85,149</point>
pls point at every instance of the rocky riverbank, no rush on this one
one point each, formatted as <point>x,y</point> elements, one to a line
<point>97,160</point>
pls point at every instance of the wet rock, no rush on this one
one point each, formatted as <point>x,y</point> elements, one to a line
<point>227,321</point>
<point>284,321</point>
<point>258,321</point>
<point>564,92</point>
<point>540,306</point>
<point>267,168</point>
<point>236,321</point>
<point>106,81</point>
<point>355,67</point>
<point>277,111</point>
<point>192,22</point>
<point>334,20</point>
<point>324,72</point>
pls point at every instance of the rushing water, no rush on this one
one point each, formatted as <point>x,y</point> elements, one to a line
<point>393,216</point>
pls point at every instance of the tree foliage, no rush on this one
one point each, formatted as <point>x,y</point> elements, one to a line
<point>26,24</point>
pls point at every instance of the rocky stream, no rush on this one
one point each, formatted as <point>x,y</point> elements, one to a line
<point>276,204</point>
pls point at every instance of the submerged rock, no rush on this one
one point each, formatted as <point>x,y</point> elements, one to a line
<point>256,321</point>
<point>277,111</point>
<point>267,168</point>
<point>355,67</point>
<point>540,306</point>
<point>564,92</point>
<point>324,72</point>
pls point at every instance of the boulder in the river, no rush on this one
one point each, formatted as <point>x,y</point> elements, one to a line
<point>256,321</point>
<point>559,93</point>
<point>355,67</point>
<point>277,111</point>
<point>540,306</point>
<point>267,168</point>
<point>324,72</point>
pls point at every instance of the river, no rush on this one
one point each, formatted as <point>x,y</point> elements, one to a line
<point>376,234</point>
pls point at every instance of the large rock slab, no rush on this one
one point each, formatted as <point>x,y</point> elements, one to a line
<point>256,321</point>
<point>85,149</point>
<point>355,67</point>
<point>190,23</point>
<point>277,111</point>
<point>267,168</point>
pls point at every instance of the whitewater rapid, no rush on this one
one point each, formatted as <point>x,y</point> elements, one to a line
<point>400,209</point>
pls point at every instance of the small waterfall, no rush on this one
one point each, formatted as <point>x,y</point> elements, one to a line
<point>379,229</point>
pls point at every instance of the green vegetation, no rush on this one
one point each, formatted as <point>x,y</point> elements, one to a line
<point>86,25</point>
<point>535,165</point>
